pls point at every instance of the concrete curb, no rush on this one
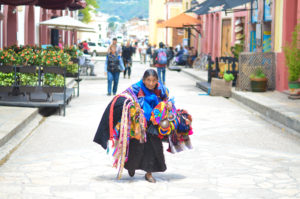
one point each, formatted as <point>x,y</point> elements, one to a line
<point>14,137</point>
<point>284,118</point>
<point>17,128</point>
<point>269,112</point>
<point>18,133</point>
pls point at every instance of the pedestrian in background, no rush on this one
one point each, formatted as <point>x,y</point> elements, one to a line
<point>118,48</point>
<point>143,50</point>
<point>160,60</point>
<point>149,52</point>
<point>85,47</point>
<point>170,55</point>
<point>113,66</point>
<point>127,58</point>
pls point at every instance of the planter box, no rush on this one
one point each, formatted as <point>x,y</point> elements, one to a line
<point>220,87</point>
<point>28,69</point>
<point>6,69</point>
<point>71,74</point>
<point>6,89</point>
<point>53,69</point>
<point>52,89</point>
<point>27,89</point>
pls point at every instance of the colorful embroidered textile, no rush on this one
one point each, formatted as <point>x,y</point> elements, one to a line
<point>148,99</point>
<point>132,125</point>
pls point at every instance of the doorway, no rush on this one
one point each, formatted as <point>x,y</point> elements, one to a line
<point>226,37</point>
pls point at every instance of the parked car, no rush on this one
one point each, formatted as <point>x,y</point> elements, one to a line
<point>97,49</point>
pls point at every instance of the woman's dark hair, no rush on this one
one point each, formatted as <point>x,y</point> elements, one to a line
<point>150,72</point>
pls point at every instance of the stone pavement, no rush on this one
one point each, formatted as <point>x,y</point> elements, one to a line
<point>16,124</point>
<point>273,105</point>
<point>248,159</point>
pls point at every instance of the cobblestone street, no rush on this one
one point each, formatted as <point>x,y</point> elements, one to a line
<point>236,154</point>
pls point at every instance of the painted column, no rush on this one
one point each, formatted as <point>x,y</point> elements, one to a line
<point>29,25</point>
<point>289,21</point>
<point>43,29</point>
<point>11,25</point>
<point>210,33</point>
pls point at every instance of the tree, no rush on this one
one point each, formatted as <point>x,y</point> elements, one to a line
<point>91,6</point>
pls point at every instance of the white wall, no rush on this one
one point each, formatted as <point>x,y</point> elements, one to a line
<point>21,25</point>
<point>37,11</point>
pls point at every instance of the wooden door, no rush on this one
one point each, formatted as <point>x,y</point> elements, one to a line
<point>226,37</point>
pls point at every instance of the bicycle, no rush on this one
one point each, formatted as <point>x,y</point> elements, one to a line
<point>201,61</point>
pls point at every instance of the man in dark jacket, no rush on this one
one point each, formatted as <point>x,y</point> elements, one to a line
<point>127,58</point>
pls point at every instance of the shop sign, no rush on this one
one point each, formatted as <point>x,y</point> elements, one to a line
<point>254,11</point>
<point>258,34</point>
<point>252,41</point>
<point>267,41</point>
<point>268,10</point>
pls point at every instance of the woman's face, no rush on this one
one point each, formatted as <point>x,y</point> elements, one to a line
<point>150,82</point>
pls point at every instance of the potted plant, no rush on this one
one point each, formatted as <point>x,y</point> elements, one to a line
<point>258,81</point>
<point>292,58</point>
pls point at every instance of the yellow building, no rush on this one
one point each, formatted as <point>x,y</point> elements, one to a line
<point>157,12</point>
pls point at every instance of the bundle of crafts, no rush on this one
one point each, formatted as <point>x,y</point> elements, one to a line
<point>173,126</point>
<point>126,121</point>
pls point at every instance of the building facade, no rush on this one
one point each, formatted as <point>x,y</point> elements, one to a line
<point>20,26</point>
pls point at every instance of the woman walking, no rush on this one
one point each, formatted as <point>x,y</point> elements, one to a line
<point>137,121</point>
<point>113,66</point>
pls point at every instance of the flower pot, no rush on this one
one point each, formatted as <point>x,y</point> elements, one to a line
<point>258,84</point>
<point>6,89</point>
<point>294,88</point>
<point>6,69</point>
<point>53,69</point>
<point>53,89</point>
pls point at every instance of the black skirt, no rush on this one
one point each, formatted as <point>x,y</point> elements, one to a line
<point>147,156</point>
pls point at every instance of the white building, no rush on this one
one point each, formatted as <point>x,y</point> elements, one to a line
<point>99,22</point>
<point>137,29</point>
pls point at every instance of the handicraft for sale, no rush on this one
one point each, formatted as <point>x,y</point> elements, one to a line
<point>131,126</point>
<point>174,126</point>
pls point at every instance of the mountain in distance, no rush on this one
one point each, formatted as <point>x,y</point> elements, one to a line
<point>125,9</point>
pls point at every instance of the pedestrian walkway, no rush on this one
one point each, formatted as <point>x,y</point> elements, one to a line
<point>272,104</point>
<point>13,120</point>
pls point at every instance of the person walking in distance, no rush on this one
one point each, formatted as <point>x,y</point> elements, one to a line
<point>160,61</point>
<point>113,66</point>
<point>127,53</point>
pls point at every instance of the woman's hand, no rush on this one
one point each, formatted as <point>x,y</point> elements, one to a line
<point>170,105</point>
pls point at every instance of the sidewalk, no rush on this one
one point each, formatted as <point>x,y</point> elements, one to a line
<point>16,124</point>
<point>273,105</point>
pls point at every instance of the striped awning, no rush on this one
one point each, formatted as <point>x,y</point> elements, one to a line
<point>210,6</point>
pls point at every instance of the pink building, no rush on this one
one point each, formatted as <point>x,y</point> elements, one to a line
<point>291,16</point>
<point>30,33</point>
